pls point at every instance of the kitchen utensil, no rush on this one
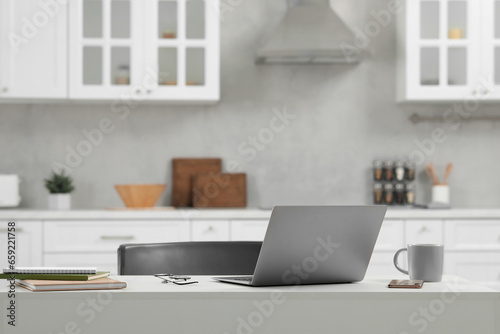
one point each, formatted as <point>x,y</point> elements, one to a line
<point>140,195</point>
<point>182,172</point>
<point>215,190</point>
<point>9,191</point>
<point>431,171</point>
<point>447,172</point>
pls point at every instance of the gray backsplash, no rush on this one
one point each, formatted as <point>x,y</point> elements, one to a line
<point>345,115</point>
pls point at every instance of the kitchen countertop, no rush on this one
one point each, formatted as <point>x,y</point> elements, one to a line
<point>249,213</point>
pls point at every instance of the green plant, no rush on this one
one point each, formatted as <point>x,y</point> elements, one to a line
<point>59,183</point>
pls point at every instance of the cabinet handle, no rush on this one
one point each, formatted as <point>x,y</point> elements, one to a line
<point>117,237</point>
<point>5,230</point>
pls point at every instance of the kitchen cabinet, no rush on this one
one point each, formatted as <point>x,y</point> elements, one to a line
<point>132,50</point>
<point>28,245</point>
<point>448,50</point>
<point>33,50</point>
<point>210,230</point>
<point>107,236</point>
<point>424,232</point>
<point>248,230</point>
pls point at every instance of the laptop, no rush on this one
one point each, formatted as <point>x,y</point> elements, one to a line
<point>315,245</point>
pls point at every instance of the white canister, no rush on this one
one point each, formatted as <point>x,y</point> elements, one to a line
<point>441,194</point>
<point>9,191</point>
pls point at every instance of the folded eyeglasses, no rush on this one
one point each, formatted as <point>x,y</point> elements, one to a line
<point>176,279</point>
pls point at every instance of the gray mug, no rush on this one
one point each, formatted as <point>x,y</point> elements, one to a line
<point>425,262</point>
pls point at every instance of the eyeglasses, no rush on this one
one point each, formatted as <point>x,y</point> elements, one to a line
<point>176,279</point>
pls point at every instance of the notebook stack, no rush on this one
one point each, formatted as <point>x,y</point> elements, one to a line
<point>62,278</point>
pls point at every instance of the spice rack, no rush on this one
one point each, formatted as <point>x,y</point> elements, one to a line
<point>393,182</point>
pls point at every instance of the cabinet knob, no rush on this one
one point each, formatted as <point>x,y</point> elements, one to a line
<point>5,89</point>
<point>210,228</point>
<point>149,91</point>
<point>474,92</point>
<point>423,229</point>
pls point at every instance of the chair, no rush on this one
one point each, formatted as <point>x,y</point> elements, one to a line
<point>189,258</point>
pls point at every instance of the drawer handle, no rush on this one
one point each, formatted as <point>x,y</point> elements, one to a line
<point>117,237</point>
<point>5,230</point>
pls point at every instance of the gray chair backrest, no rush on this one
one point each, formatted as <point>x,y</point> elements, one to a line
<point>189,258</point>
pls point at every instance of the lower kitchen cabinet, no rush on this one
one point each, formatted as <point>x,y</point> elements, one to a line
<point>107,236</point>
<point>424,232</point>
<point>210,230</point>
<point>28,243</point>
<point>248,230</point>
<point>103,261</point>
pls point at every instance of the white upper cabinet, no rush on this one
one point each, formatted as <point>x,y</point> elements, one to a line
<point>491,49</point>
<point>33,50</point>
<point>155,50</point>
<point>449,50</point>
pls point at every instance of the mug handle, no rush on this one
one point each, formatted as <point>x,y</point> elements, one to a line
<point>396,264</point>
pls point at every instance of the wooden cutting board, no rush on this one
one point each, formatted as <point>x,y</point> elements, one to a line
<point>220,190</point>
<point>182,172</point>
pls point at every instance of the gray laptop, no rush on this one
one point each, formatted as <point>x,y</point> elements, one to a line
<point>315,245</point>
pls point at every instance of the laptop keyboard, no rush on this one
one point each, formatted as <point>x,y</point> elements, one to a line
<point>247,279</point>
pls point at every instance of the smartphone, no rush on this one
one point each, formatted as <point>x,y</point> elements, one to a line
<point>405,283</point>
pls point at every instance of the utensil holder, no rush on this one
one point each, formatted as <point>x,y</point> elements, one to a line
<point>441,194</point>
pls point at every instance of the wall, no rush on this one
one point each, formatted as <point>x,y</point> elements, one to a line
<point>345,115</point>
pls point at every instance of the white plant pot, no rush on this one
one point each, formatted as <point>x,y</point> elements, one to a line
<point>59,201</point>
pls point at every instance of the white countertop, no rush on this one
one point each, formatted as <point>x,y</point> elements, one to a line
<point>249,213</point>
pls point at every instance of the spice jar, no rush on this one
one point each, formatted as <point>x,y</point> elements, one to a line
<point>388,172</point>
<point>377,193</point>
<point>377,170</point>
<point>388,193</point>
<point>410,170</point>
<point>410,193</point>
<point>123,75</point>
<point>399,195</point>
<point>399,170</point>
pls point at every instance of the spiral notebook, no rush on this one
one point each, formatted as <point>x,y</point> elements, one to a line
<point>51,270</point>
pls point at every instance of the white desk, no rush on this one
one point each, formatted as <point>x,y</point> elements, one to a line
<point>147,306</point>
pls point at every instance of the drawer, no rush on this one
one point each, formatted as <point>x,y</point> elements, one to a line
<point>481,267</point>
<point>424,232</point>
<point>391,236</point>
<point>472,234</point>
<point>101,236</point>
<point>210,230</point>
<point>248,230</point>
<point>103,261</point>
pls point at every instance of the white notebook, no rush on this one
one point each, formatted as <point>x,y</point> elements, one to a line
<point>51,270</point>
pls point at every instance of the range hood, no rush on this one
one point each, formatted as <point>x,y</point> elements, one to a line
<point>310,33</point>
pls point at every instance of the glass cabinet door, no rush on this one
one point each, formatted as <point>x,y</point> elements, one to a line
<point>445,48</point>
<point>181,40</point>
<point>104,47</point>
<point>491,50</point>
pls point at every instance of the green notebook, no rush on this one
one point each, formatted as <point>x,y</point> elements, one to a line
<point>60,277</point>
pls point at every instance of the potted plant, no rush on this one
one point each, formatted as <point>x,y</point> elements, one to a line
<point>60,186</point>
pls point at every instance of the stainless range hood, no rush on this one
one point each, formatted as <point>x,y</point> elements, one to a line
<point>310,33</point>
